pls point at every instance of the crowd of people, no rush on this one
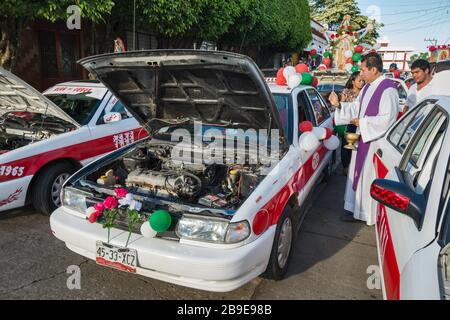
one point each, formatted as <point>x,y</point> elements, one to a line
<point>369,106</point>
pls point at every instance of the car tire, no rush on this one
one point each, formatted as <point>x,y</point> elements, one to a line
<point>282,247</point>
<point>47,186</point>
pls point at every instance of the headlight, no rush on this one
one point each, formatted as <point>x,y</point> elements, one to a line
<point>210,229</point>
<point>74,199</point>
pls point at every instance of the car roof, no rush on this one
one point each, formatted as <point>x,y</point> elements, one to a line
<point>274,88</point>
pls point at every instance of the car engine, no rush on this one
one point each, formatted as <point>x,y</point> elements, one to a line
<point>149,170</point>
<point>18,129</point>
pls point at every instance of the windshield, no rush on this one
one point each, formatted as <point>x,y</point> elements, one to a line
<point>79,107</point>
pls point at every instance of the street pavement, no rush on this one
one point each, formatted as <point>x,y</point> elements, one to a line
<point>330,261</point>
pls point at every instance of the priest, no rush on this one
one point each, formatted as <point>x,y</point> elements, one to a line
<point>373,113</point>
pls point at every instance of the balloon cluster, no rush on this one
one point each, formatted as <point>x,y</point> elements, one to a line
<point>312,136</point>
<point>294,76</point>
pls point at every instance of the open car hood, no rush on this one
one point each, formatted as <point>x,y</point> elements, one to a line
<point>164,87</point>
<point>18,96</point>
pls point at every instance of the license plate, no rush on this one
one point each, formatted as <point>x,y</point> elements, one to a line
<point>115,257</point>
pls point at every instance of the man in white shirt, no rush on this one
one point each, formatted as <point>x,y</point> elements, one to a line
<point>421,72</point>
<point>373,112</point>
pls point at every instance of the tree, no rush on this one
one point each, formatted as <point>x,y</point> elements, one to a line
<point>15,15</point>
<point>281,24</point>
<point>421,55</point>
<point>332,12</point>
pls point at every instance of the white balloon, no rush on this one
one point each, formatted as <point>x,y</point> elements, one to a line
<point>309,142</point>
<point>147,231</point>
<point>320,133</point>
<point>332,144</point>
<point>348,67</point>
<point>294,81</point>
<point>348,54</point>
<point>288,71</point>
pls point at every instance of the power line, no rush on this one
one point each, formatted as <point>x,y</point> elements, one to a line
<point>419,27</point>
<point>422,15</point>
<point>415,11</point>
<point>409,4</point>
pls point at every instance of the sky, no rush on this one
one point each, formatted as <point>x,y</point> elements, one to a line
<point>409,22</point>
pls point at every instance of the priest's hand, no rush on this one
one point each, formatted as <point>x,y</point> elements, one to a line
<point>355,122</point>
<point>334,99</point>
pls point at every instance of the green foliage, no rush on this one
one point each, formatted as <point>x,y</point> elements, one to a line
<point>284,24</point>
<point>422,55</point>
<point>53,10</point>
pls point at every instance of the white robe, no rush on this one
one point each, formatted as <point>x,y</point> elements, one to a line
<point>371,129</point>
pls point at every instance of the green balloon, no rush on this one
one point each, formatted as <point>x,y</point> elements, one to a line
<point>326,54</point>
<point>356,57</point>
<point>355,68</point>
<point>160,220</point>
<point>307,79</point>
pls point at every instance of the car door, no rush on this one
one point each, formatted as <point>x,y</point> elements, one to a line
<point>408,155</point>
<point>114,135</point>
<point>311,107</point>
<point>427,273</point>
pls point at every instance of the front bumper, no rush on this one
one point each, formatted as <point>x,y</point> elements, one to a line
<point>204,268</point>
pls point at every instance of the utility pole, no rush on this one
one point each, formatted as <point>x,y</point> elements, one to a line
<point>134,25</point>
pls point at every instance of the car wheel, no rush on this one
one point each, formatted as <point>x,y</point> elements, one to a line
<point>48,185</point>
<point>282,247</point>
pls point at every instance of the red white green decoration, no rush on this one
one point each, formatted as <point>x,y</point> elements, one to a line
<point>312,137</point>
<point>295,76</point>
<point>346,47</point>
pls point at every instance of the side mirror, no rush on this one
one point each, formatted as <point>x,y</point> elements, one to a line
<point>111,117</point>
<point>399,197</point>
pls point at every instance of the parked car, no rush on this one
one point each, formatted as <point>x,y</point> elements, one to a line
<point>225,230</point>
<point>46,138</point>
<point>411,199</point>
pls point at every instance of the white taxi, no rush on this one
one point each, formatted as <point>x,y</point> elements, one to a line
<point>412,196</point>
<point>225,222</point>
<point>46,138</point>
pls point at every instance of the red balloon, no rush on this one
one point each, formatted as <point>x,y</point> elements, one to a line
<point>306,126</point>
<point>313,52</point>
<point>329,133</point>
<point>326,61</point>
<point>300,68</point>
<point>349,27</point>
<point>397,74</point>
<point>281,80</point>
<point>350,60</point>
<point>332,36</point>
<point>337,35</point>
<point>315,82</point>
<point>351,34</point>
<point>359,49</point>
<point>322,67</point>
